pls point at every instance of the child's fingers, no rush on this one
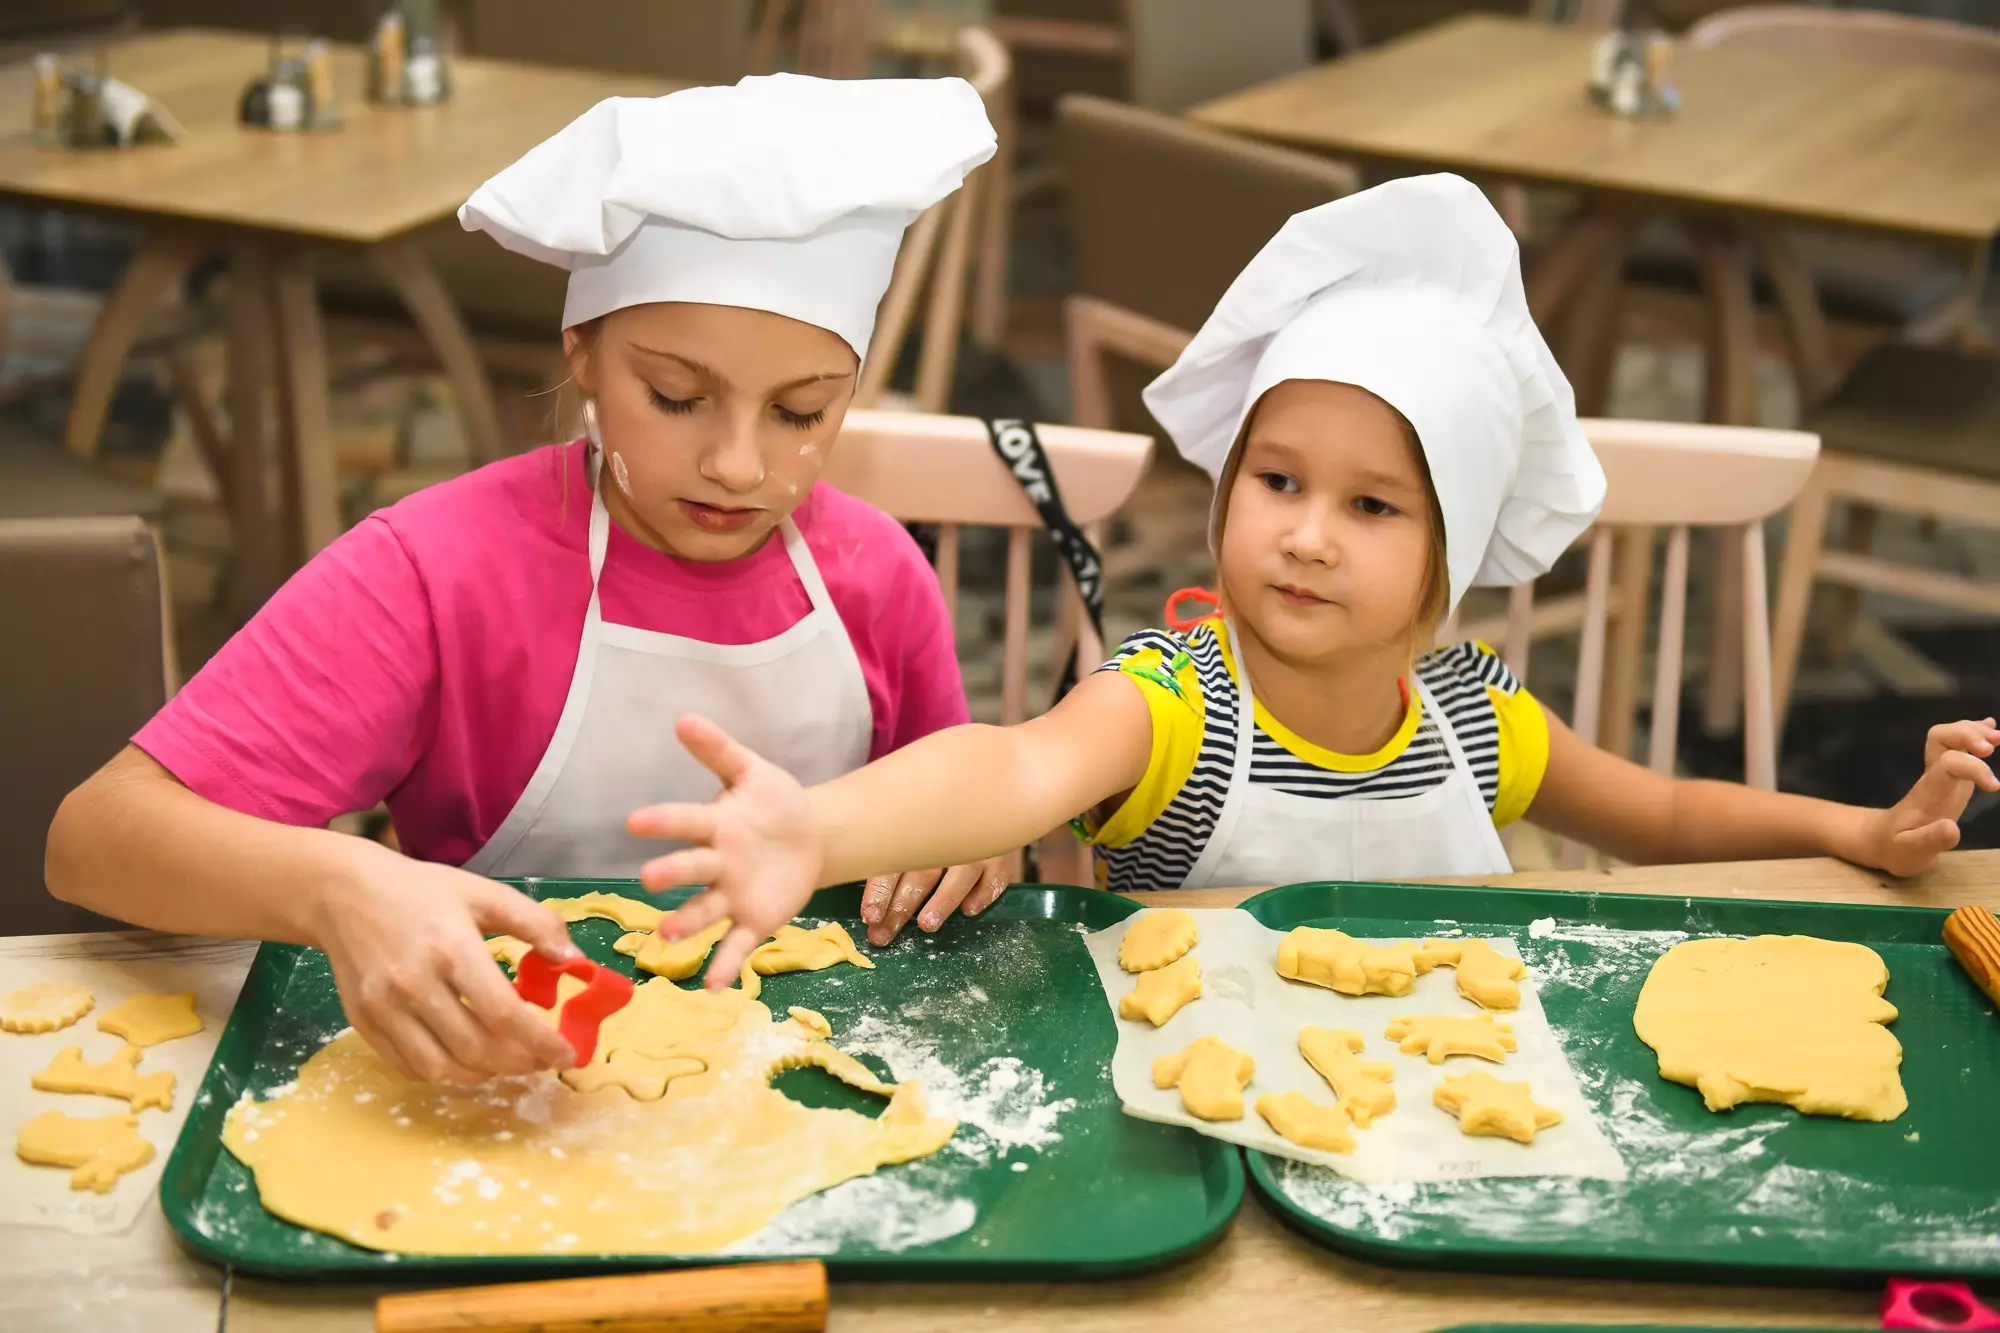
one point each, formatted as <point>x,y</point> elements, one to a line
<point>521,1041</point>
<point>1927,842</point>
<point>912,887</point>
<point>678,821</point>
<point>1958,766</point>
<point>951,891</point>
<point>690,865</point>
<point>1978,738</point>
<point>992,884</point>
<point>875,898</point>
<point>718,752</point>
<point>696,914</point>
<point>503,911</point>
<point>730,956</point>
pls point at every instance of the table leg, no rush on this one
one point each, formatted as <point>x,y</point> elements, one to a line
<point>249,337</point>
<point>996,233</point>
<point>302,387</point>
<point>1731,399</point>
<point>1805,321</point>
<point>155,270</point>
<point>409,273</point>
<point>1571,258</point>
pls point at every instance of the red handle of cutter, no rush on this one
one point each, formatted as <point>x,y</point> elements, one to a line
<point>1951,1305</point>
<point>605,992</point>
<point>1180,623</point>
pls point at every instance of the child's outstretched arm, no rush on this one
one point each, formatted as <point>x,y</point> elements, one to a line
<point>956,796</point>
<point>1640,816</point>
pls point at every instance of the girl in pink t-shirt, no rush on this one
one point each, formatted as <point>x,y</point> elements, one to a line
<point>502,658</point>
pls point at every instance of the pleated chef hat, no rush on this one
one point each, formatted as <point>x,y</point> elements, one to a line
<point>1412,291</point>
<point>782,193</point>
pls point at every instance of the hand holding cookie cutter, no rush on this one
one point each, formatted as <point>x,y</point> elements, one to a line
<point>605,992</point>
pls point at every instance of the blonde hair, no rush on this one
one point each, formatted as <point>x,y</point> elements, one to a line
<point>1433,598</point>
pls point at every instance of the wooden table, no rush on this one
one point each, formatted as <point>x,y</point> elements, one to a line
<point>1260,1274</point>
<point>269,202</point>
<point>1769,137</point>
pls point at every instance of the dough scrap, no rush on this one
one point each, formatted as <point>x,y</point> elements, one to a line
<point>1437,1037</point>
<point>676,960</point>
<point>1157,938</point>
<point>1778,1018</point>
<point>627,912</point>
<point>148,1020</point>
<point>506,949</point>
<point>1210,1075</point>
<point>46,1006</point>
<point>117,1077</point>
<point>1162,991</point>
<point>1299,1119</point>
<point>1488,979</point>
<point>1361,1085</point>
<point>529,1165</point>
<point>1339,962</point>
<point>101,1149</point>
<point>794,949</point>
<point>1486,1106</point>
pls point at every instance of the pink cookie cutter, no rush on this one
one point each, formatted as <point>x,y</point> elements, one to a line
<point>1916,1304</point>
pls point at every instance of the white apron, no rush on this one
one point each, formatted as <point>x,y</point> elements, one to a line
<point>798,700</point>
<point>1266,836</point>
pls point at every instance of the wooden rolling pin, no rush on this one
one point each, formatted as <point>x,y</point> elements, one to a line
<point>1973,936</point>
<point>747,1298</point>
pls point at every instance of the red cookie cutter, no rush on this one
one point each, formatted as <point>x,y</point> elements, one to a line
<point>605,992</point>
<point>1182,624</point>
<point>1915,1304</point>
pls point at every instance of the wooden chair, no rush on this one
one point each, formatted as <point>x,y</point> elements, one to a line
<point>1677,477</point>
<point>936,261</point>
<point>920,468</point>
<point>89,596</point>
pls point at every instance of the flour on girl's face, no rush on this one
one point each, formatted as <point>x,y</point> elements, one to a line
<point>620,475</point>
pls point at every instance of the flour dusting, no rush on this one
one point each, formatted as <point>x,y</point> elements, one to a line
<point>885,1212</point>
<point>1001,1104</point>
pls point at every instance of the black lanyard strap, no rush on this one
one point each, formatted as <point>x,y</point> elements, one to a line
<point>1020,448</point>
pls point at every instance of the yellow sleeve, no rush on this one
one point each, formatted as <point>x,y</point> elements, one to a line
<point>1524,751</point>
<point>1174,700</point>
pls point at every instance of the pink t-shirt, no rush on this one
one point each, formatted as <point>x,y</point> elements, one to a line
<point>423,658</point>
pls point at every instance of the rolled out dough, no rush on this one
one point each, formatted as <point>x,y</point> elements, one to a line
<point>530,1165</point>
<point>1777,1018</point>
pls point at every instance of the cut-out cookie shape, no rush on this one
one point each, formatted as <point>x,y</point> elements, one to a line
<point>101,1149</point>
<point>148,1020</point>
<point>1485,1105</point>
<point>795,950</point>
<point>1438,1037</point>
<point>117,1077</point>
<point>1778,1018</point>
<point>627,912</point>
<point>1299,1119</point>
<point>506,949</point>
<point>676,960</point>
<point>645,1078</point>
<point>1156,939</point>
<point>1211,1077</point>
<point>46,1006</point>
<point>1361,1085</point>
<point>1339,962</point>
<point>1488,979</point>
<point>1162,991</point>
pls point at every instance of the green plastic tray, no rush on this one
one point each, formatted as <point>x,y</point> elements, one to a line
<point>1112,1195</point>
<point>1759,1193</point>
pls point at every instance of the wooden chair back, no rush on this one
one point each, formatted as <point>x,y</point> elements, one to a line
<point>1864,33</point>
<point>1679,477</point>
<point>935,263</point>
<point>701,41</point>
<point>1183,52</point>
<point>833,39</point>
<point>921,468</point>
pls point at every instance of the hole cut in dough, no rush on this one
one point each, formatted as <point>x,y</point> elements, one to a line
<point>1211,1077</point>
<point>1161,993</point>
<point>1438,1037</point>
<point>1486,1106</point>
<point>1299,1119</point>
<point>1488,979</point>
<point>1157,938</point>
<point>148,1020</point>
<point>46,1006</point>
<point>1361,1085</point>
<point>508,950</point>
<point>101,1149</point>
<point>1339,962</point>
<point>117,1077</point>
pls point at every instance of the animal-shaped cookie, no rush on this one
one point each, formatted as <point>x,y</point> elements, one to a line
<point>101,1149</point>
<point>1339,962</point>
<point>148,1020</point>
<point>1161,992</point>
<point>1299,1119</point>
<point>1211,1077</point>
<point>794,949</point>
<point>1485,1105</point>
<point>117,1077</point>
<point>1488,979</point>
<point>1156,939</point>
<point>627,912</point>
<point>676,960</point>
<point>1438,1037</point>
<point>1362,1085</point>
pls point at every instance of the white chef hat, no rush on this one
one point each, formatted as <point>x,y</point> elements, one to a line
<point>1412,291</point>
<point>782,193</point>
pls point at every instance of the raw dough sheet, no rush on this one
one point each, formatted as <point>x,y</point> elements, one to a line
<point>1248,1005</point>
<point>115,967</point>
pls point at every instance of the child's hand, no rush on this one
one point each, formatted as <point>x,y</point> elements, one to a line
<point>757,848</point>
<point>1906,838</point>
<point>889,901</point>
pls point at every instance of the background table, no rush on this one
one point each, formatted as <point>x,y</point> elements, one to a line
<point>1259,1274</point>
<point>270,202</point>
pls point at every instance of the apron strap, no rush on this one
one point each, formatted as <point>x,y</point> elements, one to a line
<point>1239,769</point>
<point>1463,768</point>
